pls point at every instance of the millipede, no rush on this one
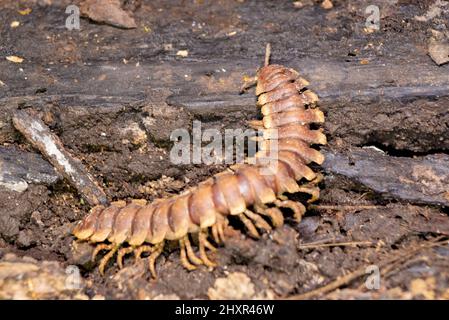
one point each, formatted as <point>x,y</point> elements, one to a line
<point>255,192</point>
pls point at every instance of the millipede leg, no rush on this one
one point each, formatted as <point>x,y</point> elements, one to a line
<point>215,235</point>
<point>121,253</point>
<point>311,188</point>
<point>220,227</point>
<point>106,259</point>
<point>313,191</point>
<point>275,215</point>
<point>256,124</point>
<point>319,178</point>
<point>99,248</point>
<point>248,83</point>
<point>202,237</point>
<point>153,256</point>
<point>138,251</point>
<point>184,261</point>
<point>190,254</point>
<point>207,244</point>
<point>297,208</point>
<point>250,226</point>
<point>258,220</point>
<point>282,197</point>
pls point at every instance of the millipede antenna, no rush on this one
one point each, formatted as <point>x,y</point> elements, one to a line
<point>267,54</point>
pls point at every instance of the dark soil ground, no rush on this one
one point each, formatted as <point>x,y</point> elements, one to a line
<point>113,96</point>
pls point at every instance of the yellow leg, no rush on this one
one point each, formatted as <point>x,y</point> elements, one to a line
<point>184,261</point>
<point>121,253</point>
<point>297,208</point>
<point>203,244</point>
<point>99,248</point>
<point>207,244</point>
<point>258,220</point>
<point>215,235</point>
<point>221,225</point>
<point>311,188</point>
<point>106,259</point>
<point>248,83</point>
<point>255,124</point>
<point>250,226</point>
<point>275,215</point>
<point>282,197</point>
<point>152,258</point>
<point>319,177</point>
<point>138,251</point>
<point>190,254</point>
<point>313,191</point>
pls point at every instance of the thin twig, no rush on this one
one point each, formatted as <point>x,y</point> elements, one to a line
<point>344,280</point>
<point>344,208</point>
<point>335,244</point>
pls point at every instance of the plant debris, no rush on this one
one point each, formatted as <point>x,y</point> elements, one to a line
<point>51,147</point>
<point>108,12</point>
<point>14,59</point>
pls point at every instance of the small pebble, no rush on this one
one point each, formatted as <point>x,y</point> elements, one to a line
<point>327,4</point>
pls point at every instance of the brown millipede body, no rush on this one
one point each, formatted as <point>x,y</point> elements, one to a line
<point>252,192</point>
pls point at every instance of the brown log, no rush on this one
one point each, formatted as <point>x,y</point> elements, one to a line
<point>418,180</point>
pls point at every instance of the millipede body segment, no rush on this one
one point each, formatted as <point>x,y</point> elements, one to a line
<point>253,192</point>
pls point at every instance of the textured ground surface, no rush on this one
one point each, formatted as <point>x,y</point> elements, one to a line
<point>113,96</point>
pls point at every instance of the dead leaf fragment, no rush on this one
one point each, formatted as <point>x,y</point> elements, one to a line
<point>182,53</point>
<point>302,3</point>
<point>25,12</point>
<point>15,24</point>
<point>14,59</point>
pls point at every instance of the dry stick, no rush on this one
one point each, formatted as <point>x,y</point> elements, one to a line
<point>335,244</point>
<point>360,272</point>
<point>348,207</point>
<point>40,136</point>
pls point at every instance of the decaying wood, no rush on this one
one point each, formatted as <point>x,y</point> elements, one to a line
<point>391,98</point>
<point>397,81</point>
<point>109,12</point>
<point>391,115</point>
<point>419,179</point>
<point>380,88</point>
<point>38,134</point>
<point>19,168</point>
